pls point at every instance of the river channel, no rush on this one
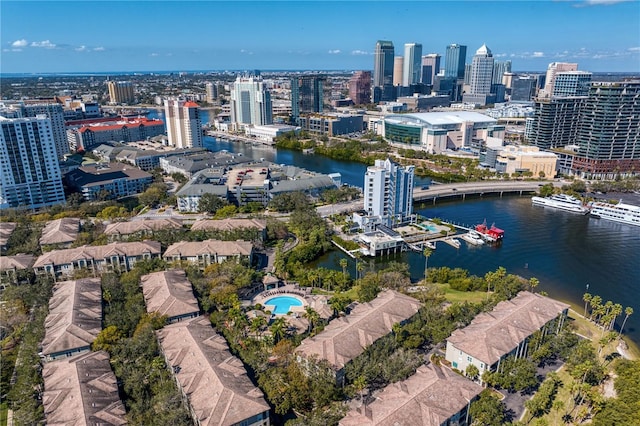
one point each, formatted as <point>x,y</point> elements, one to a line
<point>568,253</point>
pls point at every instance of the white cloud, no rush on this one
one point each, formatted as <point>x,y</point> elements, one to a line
<point>500,55</point>
<point>359,52</point>
<point>82,48</point>
<point>538,54</point>
<point>154,54</point>
<point>20,43</point>
<point>334,51</point>
<point>98,49</point>
<point>45,43</point>
<point>634,49</point>
<point>600,2</point>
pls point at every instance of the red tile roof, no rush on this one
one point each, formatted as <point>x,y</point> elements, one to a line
<point>191,104</point>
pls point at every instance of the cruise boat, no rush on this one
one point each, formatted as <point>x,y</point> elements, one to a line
<point>490,235</point>
<point>623,213</point>
<point>561,202</point>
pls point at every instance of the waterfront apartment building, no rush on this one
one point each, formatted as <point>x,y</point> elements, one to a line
<point>552,70</point>
<point>430,68</point>
<point>412,67</point>
<point>555,122</point>
<point>121,92</point>
<point>383,71</point>
<point>388,192</point>
<point>30,175</point>
<point>184,126</point>
<point>94,132</point>
<point>307,95</point>
<point>481,78</point>
<point>360,87</point>
<point>250,103</point>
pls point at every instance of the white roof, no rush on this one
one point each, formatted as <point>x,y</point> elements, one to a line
<point>436,119</point>
<point>484,50</point>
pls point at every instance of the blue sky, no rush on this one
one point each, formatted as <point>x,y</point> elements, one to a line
<point>102,36</point>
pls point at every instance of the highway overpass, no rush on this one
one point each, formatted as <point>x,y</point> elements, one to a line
<point>461,190</point>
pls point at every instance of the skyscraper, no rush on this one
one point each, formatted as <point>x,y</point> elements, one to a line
<point>430,68</point>
<point>184,127</point>
<point>121,92</point>
<point>250,102</point>
<point>388,191</point>
<point>571,83</point>
<point>307,94</point>
<point>454,61</point>
<point>212,92</point>
<point>481,78</point>
<point>360,87</point>
<point>411,70</point>
<point>30,174</point>
<point>398,66</point>
<point>383,71</point>
<point>55,113</point>
<point>499,69</point>
<point>552,70</point>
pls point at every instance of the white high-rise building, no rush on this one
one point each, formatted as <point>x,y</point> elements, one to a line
<point>553,69</point>
<point>388,192</point>
<point>30,175</point>
<point>250,102</point>
<point>212,92</point>
<point>184,127</point>
<point>480,78</point>
<point>412,67</point>
<point>52,111</point>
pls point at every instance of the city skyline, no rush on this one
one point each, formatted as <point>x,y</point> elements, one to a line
<point>601,35</point>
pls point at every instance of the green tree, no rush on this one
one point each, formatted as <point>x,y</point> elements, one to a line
<point>426,252</point>
<point>586,298</point>
<point>487,410</point>
<point>107,338</point>
<point>628,311</point>
<point>278,329</point>
<point>210,203</point>
<point>343,264</point>
<point>472,372</point>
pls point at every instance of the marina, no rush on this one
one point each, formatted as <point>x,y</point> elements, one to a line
<point>561,202</point>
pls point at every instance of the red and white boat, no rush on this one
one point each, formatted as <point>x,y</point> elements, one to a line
<point>490,235</point>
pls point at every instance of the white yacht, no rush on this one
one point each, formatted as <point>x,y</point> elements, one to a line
<point>473,238</point>
<point>623,213</point>
<point>561,202</point>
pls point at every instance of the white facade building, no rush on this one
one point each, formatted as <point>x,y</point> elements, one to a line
<point>250,102</point>
<point>388,192</point>
<point>412,66</point>
<point>184,127</point>
<point>30,175</point>
<point>268,133</point>
<point>480,78</point>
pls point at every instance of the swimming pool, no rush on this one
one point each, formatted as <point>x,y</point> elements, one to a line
<point>282,304</point>
<point>429,227</point>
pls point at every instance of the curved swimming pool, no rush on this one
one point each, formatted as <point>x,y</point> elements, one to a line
<point>283,304</point>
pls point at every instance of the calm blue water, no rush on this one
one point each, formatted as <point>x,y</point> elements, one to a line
<point>283,304</point>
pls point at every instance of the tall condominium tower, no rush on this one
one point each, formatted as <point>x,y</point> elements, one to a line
<point>360,87</point>
<point>121,92</point>
<point>30,175</point>
<point>499,69</point>
<point>571,83</point>
<point>454,61</point>
<point>411,70</point>
<point>55,113</point>
<point>250,102</point>
<point>184,127</point>
<point>398,66</point>
<point>608,136</point>
<point>430,68</point>
<point>212,92</point>
<point>481,78</point>
<point>555,121</point>
<point>552,70</point>
<point>388,191</point>
<point>383,71</point>
<point>307,94</point>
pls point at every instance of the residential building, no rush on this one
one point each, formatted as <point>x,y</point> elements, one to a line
<point>121,92</point>
<point>344,338</point>
<point>383,71</point>
<point>523,88</point>
<point>111,257</point>
<point>116,231</point>
<point>184,125</point>
<point>60,233</point>
<point>6,229</point>
<point>571,83</point>
<point>250,103</point>
<point>232,225</point>
<point>608,136</point>
<point>113,180</point>
<point>398,66</point>
<point>190,163</point>
<point>212,92</point>
<point>438,131</point>
<point>169,293</point>
<point>515,160</point>
<point>430,68</point>
<point>207,181</point>
<point>412,68</point>
<point>360,87</point>
<point>74,319</point>
<point>146,160</point>
<point>213,382</point>
<point>84,135</point>
<point>481,78</point>
<point>82,390</point>
<point>506,330</point>
<point>307,95</point>
<point>388,192</point>
<point>11,268</point>
<point>331,124</point>
<point>205,253</point>
<point>29,171</point>
<point>555,122</point>
<point>433,396</point>
<point>454,61</point>
<point>552,70</point>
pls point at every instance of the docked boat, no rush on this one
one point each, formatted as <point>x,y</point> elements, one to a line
<point>561,202</point>
<point>473,238</point>
<point>623,213</point>
<point>489,235</point>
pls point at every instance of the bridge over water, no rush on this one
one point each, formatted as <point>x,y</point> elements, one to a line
<point>461,190</point>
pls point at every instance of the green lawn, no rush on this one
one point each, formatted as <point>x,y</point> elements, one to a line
<point>462,296</point>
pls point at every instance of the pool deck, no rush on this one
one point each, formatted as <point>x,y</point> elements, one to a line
<point>317,302</point>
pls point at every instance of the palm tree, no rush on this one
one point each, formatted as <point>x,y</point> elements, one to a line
<point>312,316</point>
<point>343,264</point>
<point>533,283</point>
<point>278,329</point>
<point>427,252</point>
<point>627,312</point>
<point>596,306</point>
<point>587,298</point>
<point>359,268</point>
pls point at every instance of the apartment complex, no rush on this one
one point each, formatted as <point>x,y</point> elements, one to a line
<point>307,95</point>
<point>30,175</point>
<point>140,228</point>
<point>60,232</point>
<point>169,293</point>
<point>250,103</point>
<point>121,92</point>
<point>112,180</point>
<point>205,253</point>
<point>88,134</point>
<point>184,125</point>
